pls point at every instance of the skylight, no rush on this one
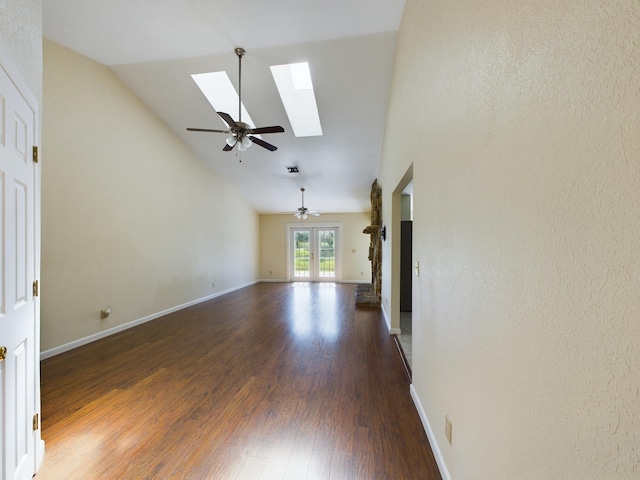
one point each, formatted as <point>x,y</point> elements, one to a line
<point>296,91</point>
<point>220,93</point>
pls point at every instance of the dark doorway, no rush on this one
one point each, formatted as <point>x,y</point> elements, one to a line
<point>406,240</point>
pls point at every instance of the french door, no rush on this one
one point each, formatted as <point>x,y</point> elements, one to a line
<point>313,254</point>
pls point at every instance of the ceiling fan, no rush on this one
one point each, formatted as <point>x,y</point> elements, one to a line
<point>240,133</point>
<point>304,212</point>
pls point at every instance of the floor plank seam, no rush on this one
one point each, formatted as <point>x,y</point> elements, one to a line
<point>405,363</point>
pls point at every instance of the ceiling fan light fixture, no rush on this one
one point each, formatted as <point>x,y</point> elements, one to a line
<point>231,140</point>
<point>246,142</point>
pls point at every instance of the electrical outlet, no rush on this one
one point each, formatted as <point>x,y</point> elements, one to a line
<point>448,428</point>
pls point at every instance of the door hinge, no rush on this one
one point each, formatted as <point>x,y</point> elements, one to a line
<point>35,288</point>
<point>35,154</point>
<point>36,422</point>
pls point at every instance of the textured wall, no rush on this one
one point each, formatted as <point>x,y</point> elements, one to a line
<point>21,34</point>
<point>527,228</point>
<point>130,217</point>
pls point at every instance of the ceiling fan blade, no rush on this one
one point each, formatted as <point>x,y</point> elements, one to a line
<point>227,118</point>
<point>207,130</point>
<point>315,214</point>
<point>274,129</point>
<point>264,144</point>
<point>228,148</point>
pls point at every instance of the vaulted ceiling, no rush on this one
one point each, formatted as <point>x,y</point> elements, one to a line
<point>154,46</point>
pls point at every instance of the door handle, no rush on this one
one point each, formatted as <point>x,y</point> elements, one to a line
<point>3,353</point>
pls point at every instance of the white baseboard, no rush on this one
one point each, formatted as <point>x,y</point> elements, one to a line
<point>40,449</point>
<point>125,326</point>
<point>284,280</point>
<point>392,331</point>
<point>435,448</point>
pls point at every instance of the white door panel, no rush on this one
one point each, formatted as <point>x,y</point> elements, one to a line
<point>18,306</point>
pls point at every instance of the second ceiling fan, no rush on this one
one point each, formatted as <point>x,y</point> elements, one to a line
<point>240,133</point>
<point>303,212</point>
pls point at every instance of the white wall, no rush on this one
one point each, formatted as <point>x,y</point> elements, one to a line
<point>356,266</point>
<point>131,219</point>
<point>526,184</point>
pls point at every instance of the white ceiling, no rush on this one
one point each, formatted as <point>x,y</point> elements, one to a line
<point>154,46</point>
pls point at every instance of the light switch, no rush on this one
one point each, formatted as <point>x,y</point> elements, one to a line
<point>416,268</point>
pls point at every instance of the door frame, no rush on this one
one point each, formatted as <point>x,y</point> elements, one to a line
<point>315,225</point>
<point>395,218</point>
<point>13,73</point>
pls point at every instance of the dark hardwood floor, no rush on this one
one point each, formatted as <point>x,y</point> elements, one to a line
<point>274,381</point>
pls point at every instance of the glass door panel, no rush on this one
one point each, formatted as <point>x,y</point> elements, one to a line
<point>314,255</point>
<point>301,255</point>
<point>327,254</point>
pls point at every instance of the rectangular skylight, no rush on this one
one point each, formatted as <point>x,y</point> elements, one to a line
<point>296,91</point>
<point>219,91</point>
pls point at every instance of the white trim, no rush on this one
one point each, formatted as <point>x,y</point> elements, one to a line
<point>125,326</point>
<point>442,466</point>
<point>392,331</point>
<point>284,280</point>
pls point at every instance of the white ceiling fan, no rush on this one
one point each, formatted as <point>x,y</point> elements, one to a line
<point>303,212</point>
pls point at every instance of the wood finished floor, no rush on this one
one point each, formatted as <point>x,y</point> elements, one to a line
<point>274,381</point>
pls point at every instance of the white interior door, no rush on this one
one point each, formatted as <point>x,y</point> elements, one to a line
<point>314,254</point>
<point>19,345</point>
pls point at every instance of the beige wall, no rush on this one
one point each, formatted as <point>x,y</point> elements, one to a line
<point>356,266</point>
<point>526,184</point>
<point>130,217</point>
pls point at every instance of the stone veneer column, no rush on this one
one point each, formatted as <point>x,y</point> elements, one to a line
<point>369,295</point>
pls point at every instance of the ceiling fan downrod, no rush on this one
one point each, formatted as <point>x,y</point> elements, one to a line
<point>240,53</point>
